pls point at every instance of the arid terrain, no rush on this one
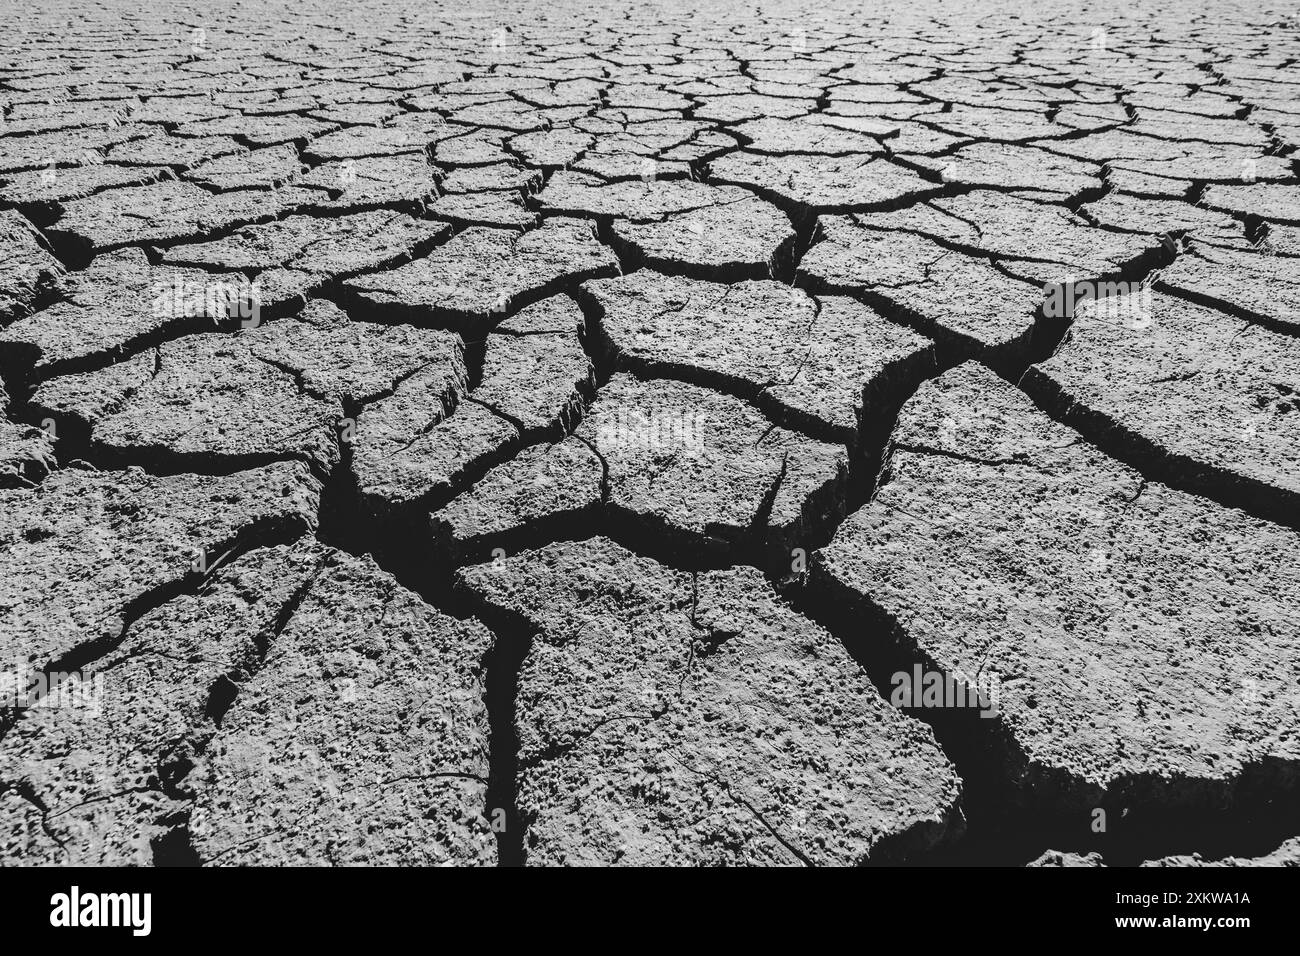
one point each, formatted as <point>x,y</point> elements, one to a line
<point>681,433</point>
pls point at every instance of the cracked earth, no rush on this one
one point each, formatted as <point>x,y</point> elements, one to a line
<point>496,434</point>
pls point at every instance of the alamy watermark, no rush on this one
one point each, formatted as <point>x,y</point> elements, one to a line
<point>1129,302</point>
<point>22,688</point>
<point>656,431</point>
<point>953,689</point>
<point>234,296</point>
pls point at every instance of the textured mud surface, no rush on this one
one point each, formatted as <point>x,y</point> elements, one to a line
<point>484,434</point>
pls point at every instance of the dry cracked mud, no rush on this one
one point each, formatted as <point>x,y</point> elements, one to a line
<point>437,433</point>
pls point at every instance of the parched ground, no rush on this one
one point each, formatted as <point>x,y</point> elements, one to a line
<point>709,433</point>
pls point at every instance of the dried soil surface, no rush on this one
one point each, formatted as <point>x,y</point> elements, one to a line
<point>698,433</point>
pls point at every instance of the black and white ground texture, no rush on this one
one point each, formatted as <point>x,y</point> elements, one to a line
<point>442,431</point>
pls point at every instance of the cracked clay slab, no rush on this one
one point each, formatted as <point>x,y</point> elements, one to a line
<point>27,269</point>
<point>817,365</point>
<point>666,718</point>
<point>709,470</point>
<point>1210,396</point>
<point>484,271</point>
<point>361,739</point>
<point>962,301</point>
<point>106,755</point>
<point>1263,288</point>
<point>1133,641</point>
<point>84,548</point>
<point>433,435</point>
